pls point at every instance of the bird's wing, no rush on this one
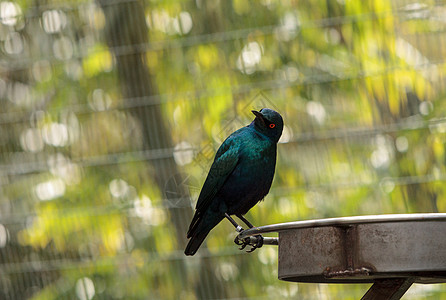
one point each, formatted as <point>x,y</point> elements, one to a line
<point>224,163</point>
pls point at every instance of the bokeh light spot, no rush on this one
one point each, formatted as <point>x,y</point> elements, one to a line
<point>9,13</point>
<point>50,190</point>
<point>53,21</point>
<point>85,288</point>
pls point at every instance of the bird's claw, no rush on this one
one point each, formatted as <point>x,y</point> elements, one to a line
<point>257,243</point>
<point>243,243</point>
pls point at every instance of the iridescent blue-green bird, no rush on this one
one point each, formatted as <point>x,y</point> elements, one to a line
<point>240,176</point>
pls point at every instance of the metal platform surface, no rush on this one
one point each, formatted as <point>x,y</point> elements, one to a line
<point>362,249</point>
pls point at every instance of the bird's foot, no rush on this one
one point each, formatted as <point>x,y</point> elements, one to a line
<point>253,241</point>
<point>242,243</point>
<point>257,243</point>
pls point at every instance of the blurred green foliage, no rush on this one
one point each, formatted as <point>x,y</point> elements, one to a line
<point>102,157</point>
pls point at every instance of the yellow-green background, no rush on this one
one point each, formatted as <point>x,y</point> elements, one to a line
<point>111,112</point>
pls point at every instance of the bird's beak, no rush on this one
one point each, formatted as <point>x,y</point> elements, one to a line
<point>258,115</point>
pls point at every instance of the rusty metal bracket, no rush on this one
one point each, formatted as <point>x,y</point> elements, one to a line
<point>388,289</point>
<point>344,273</point>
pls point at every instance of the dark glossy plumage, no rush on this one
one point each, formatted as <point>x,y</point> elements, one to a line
<point>240,176</point>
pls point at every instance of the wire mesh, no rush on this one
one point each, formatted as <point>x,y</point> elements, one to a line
<point>112,112</point>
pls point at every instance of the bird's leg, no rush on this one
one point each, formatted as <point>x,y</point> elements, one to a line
<point>258,239</point>
<point>239,229</point>
<point>255,241</point>
<point>244,220</point>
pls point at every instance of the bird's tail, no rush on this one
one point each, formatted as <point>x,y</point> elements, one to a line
<point>200,227</point>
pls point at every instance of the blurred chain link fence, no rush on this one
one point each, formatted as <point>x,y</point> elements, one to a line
<point>112,112</point>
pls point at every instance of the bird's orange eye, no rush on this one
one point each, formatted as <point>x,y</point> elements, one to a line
<point>272,125</point>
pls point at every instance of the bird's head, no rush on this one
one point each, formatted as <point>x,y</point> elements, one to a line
<point>269,122</point>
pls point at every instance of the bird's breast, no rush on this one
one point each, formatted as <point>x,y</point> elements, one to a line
<point>251,178</point>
